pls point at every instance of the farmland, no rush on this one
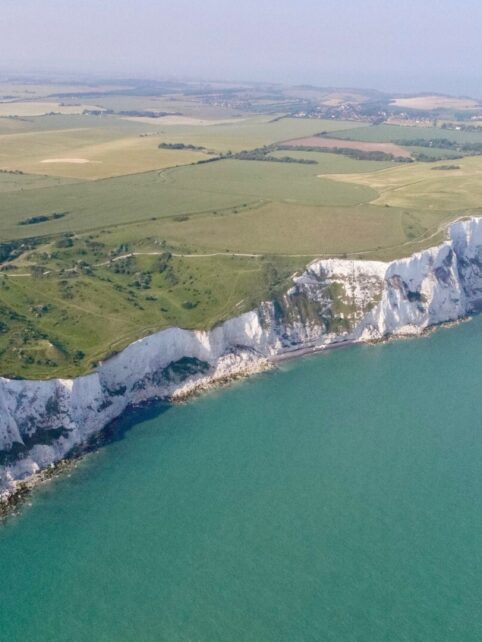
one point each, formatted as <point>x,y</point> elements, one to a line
<point>38,108</point>
<point>211,187</point>
<point>429,102</point>
<point>333,143</point>
<point>418,185</point>
<point>397,133</point>
<point>184,208</point>
<point>328,163</point>
<point>112,150</point>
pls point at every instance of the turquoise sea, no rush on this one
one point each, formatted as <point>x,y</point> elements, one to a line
<point>337,499</point>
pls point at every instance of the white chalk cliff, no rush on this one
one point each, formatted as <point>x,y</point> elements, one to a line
<point>333,301</point>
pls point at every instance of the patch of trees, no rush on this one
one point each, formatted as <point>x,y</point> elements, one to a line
<point>213,159</point>
<point>97,112</point>
<point>64,242</point>
<point>148,113</point>
<point>290,159</point>
<point>42,218</point>
<point>197,148</point>
<point>256,155</point>
<point>142,280</point>
<point>96,247</point>
<point>263,154</point>
<point>37,271</point>
<point>434,157</point>
<point>65,289</point>
<point>462,127</point>
<point>357,154</point>
<point>141,113</point>
<point>77,356</point>
<point>443,143</point>
<point>161,262</point>
<point>9,250</point>
<point>40,309</point>
<point>124,266</point>
<point>445,168</point>
<point>21,245</point>
<point>170,277</point>
<point>10,314</point>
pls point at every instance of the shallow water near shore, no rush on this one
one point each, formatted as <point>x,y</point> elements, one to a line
<point>336,499</point>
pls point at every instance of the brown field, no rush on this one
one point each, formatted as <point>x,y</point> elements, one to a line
<point>332,143</point>
<point>435,102</point>
<point>70,154</point>
<point>34,108</point>
<point>335,99</point>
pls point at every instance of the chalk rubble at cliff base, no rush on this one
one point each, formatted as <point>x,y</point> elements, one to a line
<point>333,302</point>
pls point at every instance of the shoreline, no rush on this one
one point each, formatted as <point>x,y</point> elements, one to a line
<point>299,353</point>
<point>24,488</point>
<point>375,302</point>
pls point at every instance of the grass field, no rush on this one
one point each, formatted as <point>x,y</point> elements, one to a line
<point>104,160</point>
<point>427,102</point>
<point>250,133</point>
<point>13,182</point>
<point>394,133</point>
<point>37,90</point>
<point>105,152</point>
<point>285,228</point>
<point>114,238</point>
<point>34,108</point>
<point>176,103</point>
<point>59,326</point>
<point>418,185</point>
<point>107,126</point>
<point>334,163</point>
<point>14,125</point>
<point>264,180</point>
<point>433,153</point>
<point>181,191</point>
<point>331,143</point>
<point>63,322</point>
<point>108,146</point>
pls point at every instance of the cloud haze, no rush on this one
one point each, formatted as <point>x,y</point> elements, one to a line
<point>413,44</point>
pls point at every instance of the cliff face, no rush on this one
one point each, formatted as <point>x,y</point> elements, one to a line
<point>333,301</point>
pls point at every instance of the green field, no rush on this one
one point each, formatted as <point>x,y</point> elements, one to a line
<point>394,133</point>
<point>115,238</point>
<point>278,229</point>
<point>334,163</point>
<point>14,182</point>
<point>418,185</point>
<point>119,147</point>
<point>182,191</point>
<point>96,147</point>
<point>433,154</point>
<point>250,133</point>
<point>61,324</point>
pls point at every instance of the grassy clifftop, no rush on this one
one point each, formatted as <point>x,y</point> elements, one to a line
<point>113,225</point>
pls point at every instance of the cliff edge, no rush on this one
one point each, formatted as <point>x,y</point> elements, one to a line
<point>334,301</point>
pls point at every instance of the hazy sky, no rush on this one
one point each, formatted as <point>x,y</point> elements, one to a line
<point>394,44</point>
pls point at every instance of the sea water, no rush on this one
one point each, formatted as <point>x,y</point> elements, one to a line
<point>336,499</point>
